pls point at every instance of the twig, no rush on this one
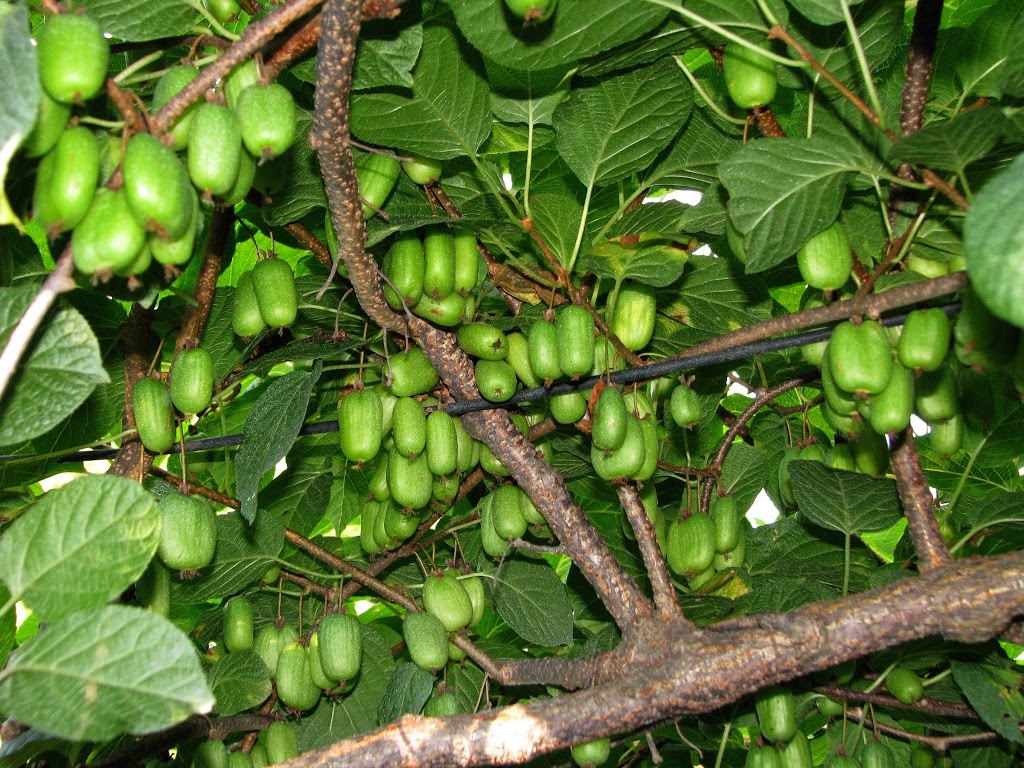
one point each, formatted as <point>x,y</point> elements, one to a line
<point>327,593</point>
<point>924,706</point>
<point>917,77</point>
<point>197,312</point>
<point>940,744</point>
<point>199,490</point>
<point>661,582</point>
<point>133,460</point>
<point>918,505</point>
<point>310,242</point>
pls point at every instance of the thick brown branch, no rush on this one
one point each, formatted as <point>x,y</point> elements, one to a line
<point>917,77</point>
<point>195,317</point>
<point>918,505</point>
<point>657,569</point>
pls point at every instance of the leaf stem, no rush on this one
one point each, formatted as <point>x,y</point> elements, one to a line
<point>846,565</point>
<point>583,226</point>
<point>862,60</point>
<point>705,95</point>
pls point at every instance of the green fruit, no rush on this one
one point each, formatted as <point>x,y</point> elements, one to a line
<point>410,480</point>
<point>188,532</point>
<point>543,351</point>
<point>442,705</point>
<point>938,395</point>
<point>726,515</point>
<point>825,260</point>
<point>609,422</point>
<point>506,512</point>
<point>223,11</point>
<point>785,483</point>
<point>66,183</point>
<point>421,170</point>
<point>341,645</point>
<point>467,261</point>
<point>947,437</point>
<point>975,327</point>
<point>636,309</point>
<point>238,624</point>
<point>108,238</point>
<point>496,380</point>
<point>841,457</point>
<point>214,149</point>
<point>447,312</point>
<point>691,544</point>
<point>926,267</point>
<point>210,754</point>
<point>377,175</point>
<point>274,284</point>
<point>411,373</point>
<point>273,574</point>
<point>403,267</point>
<point>531,11</point>
<point>626,460</point>
<point>797,752</point>
<point>179,252</point>
<point>266,114</point>
<point>281,742</point>
<point>859,357</point>
<point>875,754</point>
<point>813,353</point>
<point>244,181</point>
<point>570,407</point>
<point>239,759</point>
<point>157,186</point>
<point>574,340</point>
<point>50,122</point>
<point>192,380</point>
<point>398,524</point>
<point>468,453</point>
<point>905,685</point>
<point>153,589</point>
<point>750,76</point>
<point>442,444</point>
<point>372,512</point>
<point>258,755</point>
<point>316,670</point>
<point>445,487</point>
<point>154,415</point>
<point>829,708</point>
<point>649,431</point>
<point>240,79</point>
<point>167,87</point>
<point>684,405</point>
<point>446,598</point>
<point>483,340</point>
<point>776,713</point>
<point>924,342</point>
<point>246,319</point>
<point>891,408</point>
<point>591,753</point>
<point>72,56</point>
<point>439,266</point>
<point>295,686</point>
<point>606,357</point>
<point>360,425</point>
<point>921,755</point>
<point>763,757</point>
<point>409,428</point>
<point>493,544</point>
<point>518,356</point>
<point>870,452</point>
<point>426,640</point>
<point>474,587</point>
<point>269,641</point>
<point>840,400</point>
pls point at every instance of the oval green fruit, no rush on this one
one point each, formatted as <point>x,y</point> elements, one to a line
<point>574,340</point>
<point>439,266</point>
<point>410,480</point>
<point>341,645</point>
<point>776,713</point>
<point>153,589</point>
<point>66,182</point>
<point>154,415</point>
<point>591,753</point>
<point>442,705</point>
<point>636,309</point>
<point>570,407</point>
<point>825,260</point>
<point>891,408</point>
<point>905,685</point>
<point>924,342</point>
<point>240,759</point>
<point>870,452</point>
<point>295,686</point>
<point>763,757</point>
<point>210,754</point>
<point>420,169</point>
<point>266,114</point>
<point>426,640</point>
<point>258,755</point>
<point>240,79</point>
<point>543,351</point>
<point>179,252</point>
<point>411,373</point>
<point>246,319</point>
<point>691,544</point>
<point>684,405</point>
<point>214,149</point>
<point>238,624</point>
<point>223,11</point>
<point>399,525</point>
<point>157,186</point>
<point>506,512</point>
<point>442,444</point>
<point>726,516</point>
<point>797,752</point>
<point>474,586</point>
<point>447,312</point>
<point>446,598</point>
<point>750,76</point>
<point>627,459</point>
<point>269,641</point>
<point>188,532</point>
<point>937,395</point>
<point>72,56</point>
<point>243,182</point>
<point>167,87</point>
<point>483,340</point>
<point>649,431</point>
<point>274,284</point>
<point>921,755</point>
<point>403,267</point>
<point>947,437</point>
<point>192,380</point>
<point>361,425</point>
<point>875,754</point>
<point>467,261</point>
<point>409,427</point>
<point>377,174</point>
<point>281,741</point>
<point>496,380</point>
<point>609,421</point>
<point>316,670</point>
<point>51,119</point>
<point>860,358</point>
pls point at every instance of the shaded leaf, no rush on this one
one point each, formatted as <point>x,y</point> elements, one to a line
<point>407,692</point>
<point>21,93</point>
<point>239,681</point>
<point>984,692</point>
<point>531,599</point>
<point>954,144</point>
<point>854,502</point>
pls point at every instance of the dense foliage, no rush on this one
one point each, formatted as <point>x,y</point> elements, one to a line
<point>506,454</point>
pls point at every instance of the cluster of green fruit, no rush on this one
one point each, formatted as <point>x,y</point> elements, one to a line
<point>451,602</point>
<point>265,296</point>
<point>699,546</point>
<point>277,743</point>
<point>191,391</point>
<point>330,662</point>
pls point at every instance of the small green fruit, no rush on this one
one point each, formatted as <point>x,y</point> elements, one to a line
<point>72,56</point>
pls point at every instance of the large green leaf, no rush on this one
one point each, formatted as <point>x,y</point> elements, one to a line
<point>61,369</point>
<point>407,692</point>
<point>715,297</point>
<point>271,427</point>
<point>138,20</point>
<point>20,97</point>
<point>446,114</point>
<point>239,681</point>
<point>990,696</point>
<point>579,28</point>
<point>298,174</point>
<point>782,191</point>
<point>99,673</point>
<point>80,545</point>
<point>384,58</point>
<point>530,597</point>
<point>994,243</point>
<point>955,144</point>
<point>854,502</point>
<point>618,126</point>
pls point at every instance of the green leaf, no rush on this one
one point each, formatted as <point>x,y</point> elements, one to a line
<point>244,553</point>
<point>8,628</point>
<point>579,28</point>
<point>446,115</point>
<point>654,262</point>
<point>955,144</point>
<point>692,159</point>
<point>988,698</point>
<point>821,11</point>
<point>25,746</point>
<point>302,186</point>
<point>854,502</point>
<point>978,51</point>
<point>744,473</point>
<point>407,692</point>
<point>994,244</point>
<point>20,99</point>
<point>531,599</point>
<point>782,191</point>
<point>99,673</point>
<point>524,97</point>
<point>1012,79</point>
<point>138,20</point>
<point>62,368</point>
<point>715,297</point>
<point>300,494</point>
<point>271,427</point>
<point>619,126</point>
<point>384,58</point>
<point>80,546</point>
<point>239,681</point>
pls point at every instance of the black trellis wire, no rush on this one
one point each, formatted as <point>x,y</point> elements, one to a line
<point>628,376</point>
